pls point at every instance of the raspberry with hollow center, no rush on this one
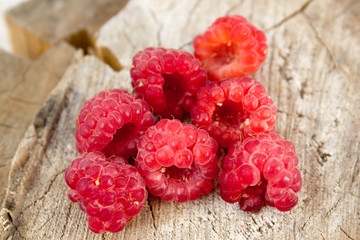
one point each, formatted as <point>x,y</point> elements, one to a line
<point>178,161</point>
<point>109,190</point>
<point>112,122</point>
<point>231,47</point>
<point>233,109</point>
<point>262,162</point>
<point>168,80</point>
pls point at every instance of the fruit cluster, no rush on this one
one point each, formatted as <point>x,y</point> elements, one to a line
<point>233,122</point>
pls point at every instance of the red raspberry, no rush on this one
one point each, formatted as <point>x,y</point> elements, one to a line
<point>233,109</point>
<point>177,160</point>
<point>231,48</point>
<point>109,190</point>
<point>265,156</point>
<point>252,197</point>
<point>168,80</point>
<point>112,122</point>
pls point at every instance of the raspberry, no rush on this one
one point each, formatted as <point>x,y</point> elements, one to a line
<point>109,190</point>
<point>112,122</point>
<point>231,110</point>
<point>177,160</point>
<point>252,197</point>
<point>262,162</point>
<point>168,80</point>
<point>230,48</point>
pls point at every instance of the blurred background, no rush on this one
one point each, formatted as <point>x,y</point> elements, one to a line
<point>4,37</point>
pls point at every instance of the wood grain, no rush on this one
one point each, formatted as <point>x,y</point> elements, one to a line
<point>311,74</point>
<point>24,85</point>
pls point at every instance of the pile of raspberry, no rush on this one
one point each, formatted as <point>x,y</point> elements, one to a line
<point>190,118</point>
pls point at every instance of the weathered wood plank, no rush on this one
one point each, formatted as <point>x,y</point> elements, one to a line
<point>36,26</point>
<point>311,76</point>
<point>24,86</point>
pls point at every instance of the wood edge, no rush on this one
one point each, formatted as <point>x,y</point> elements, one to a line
<point>24,42</point>
<point>84,40</point>
<point>29,152</point>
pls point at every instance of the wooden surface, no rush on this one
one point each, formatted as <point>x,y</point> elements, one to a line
<point>311,73</point>
<point>37,25</point>
<point>24,85</point>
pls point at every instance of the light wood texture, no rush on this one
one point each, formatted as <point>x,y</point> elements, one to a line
<point>311,73</point>
<point>24,86</point>
<point>37,25</point>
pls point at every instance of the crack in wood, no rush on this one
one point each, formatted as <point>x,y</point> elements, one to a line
<point>354,172</point>
<point>46,191</point>
<point>311,216</point>
<point>66,220</point>
<point>258,229</point>
<point>9,228</point>
<point>4,125</point>
<point>253,219</point>
<point>322,41</point>
<point>334,206</point>
<point>346,233</point>
<point>152,214</point>
<point>354,195</point>
<point>213,228</point>
<point>16,99</point>
<point>292,15</point>
<point>322,236</point>
<point>103,237</point>
<point>46,222</point>
<point>46,158</point>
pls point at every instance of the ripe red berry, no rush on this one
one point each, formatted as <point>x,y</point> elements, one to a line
<point>109,190</point>
<point>258,163</point>
<point>231,110</point>
<point>168,80</point>
<point>112,122</point>
<point>252,197</point>
<point>178,161</point>
<point>231,47</point>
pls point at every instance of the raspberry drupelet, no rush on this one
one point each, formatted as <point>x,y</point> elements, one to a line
<point>233,109</point>
<point>178,161</point>
<point>110,191</point>
<point>112,122</point>
<point>252,197</point>
<point>261,168</point>
<point>231,47</point>
<point>168,80</point>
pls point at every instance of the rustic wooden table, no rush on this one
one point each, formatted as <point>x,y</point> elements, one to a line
<point>312,74</point>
